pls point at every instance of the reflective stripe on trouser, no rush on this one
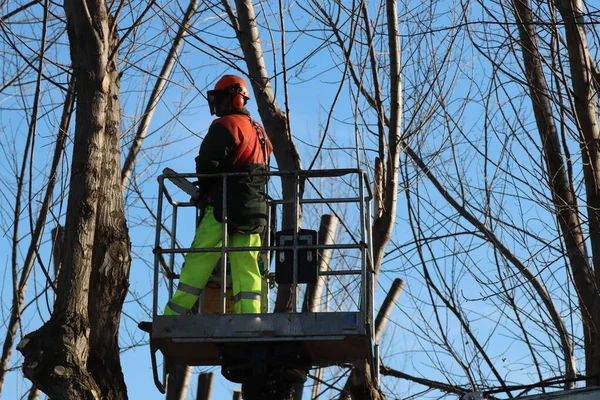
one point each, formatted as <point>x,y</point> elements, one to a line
<point>245,274</point>
<point>198,267</point>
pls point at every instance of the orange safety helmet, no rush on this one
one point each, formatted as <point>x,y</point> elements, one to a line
<point>231,85</point>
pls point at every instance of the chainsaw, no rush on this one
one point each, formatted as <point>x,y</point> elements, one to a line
<point>182,183</point>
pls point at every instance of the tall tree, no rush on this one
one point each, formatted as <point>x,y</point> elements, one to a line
<point>75,353</point>
<point>275,120</point>
<point>493,224</point>
<point>564,195</point>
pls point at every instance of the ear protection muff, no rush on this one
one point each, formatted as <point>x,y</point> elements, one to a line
<point>237,101</point>
<point>237,98</point>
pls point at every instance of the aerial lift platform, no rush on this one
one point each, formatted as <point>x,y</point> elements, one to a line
<point>259,342</point>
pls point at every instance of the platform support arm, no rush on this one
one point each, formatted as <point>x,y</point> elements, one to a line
<point>159,385</point>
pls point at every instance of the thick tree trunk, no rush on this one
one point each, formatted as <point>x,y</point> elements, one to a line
<point>69,357</point>
<point>111,260</point>
<point>56,354</point>
<point>361,384</point>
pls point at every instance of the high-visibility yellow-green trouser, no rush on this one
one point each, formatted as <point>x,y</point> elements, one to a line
<point>198,267</point>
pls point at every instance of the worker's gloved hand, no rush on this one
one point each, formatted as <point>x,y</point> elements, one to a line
<point>197,200</point>
<point>202,197</point>
<point>200,201</point>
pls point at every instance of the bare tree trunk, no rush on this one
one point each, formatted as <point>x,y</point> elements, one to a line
<point>71,357</point>
<point>111,260</point>
<point>179,381</point>
<point>587,123</point>
<point>563,193</point>
<point>205,381</point>
<point>314,292</point>
<point>384,222</point>
<point>34,393</point>
<point>326,236</point>
<point>273,118</point>
<point>361,383</point>
<point>358,385</point>
<point>385,311</point>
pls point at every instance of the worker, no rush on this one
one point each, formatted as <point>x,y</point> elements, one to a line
<point>234,143</point>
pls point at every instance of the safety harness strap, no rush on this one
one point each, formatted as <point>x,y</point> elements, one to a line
<point>249,149</point>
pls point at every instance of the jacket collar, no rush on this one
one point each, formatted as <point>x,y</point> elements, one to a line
<point>242,111</point>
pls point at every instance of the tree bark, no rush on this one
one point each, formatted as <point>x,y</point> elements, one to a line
<point>358,385</point>
<point>384,223</point>
<point>325,236</point>
<point>71,356</point>
<point>582,78</point>
<point>273,118</point>
<point>563,194</point>
<point>314,292</point>
<point>179,376</point>
<point>205,381</point>
<point>34,393</point>
<point>385,311</point>
<point>112,247</point>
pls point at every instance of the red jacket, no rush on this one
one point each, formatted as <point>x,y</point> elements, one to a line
<point>236,143</point>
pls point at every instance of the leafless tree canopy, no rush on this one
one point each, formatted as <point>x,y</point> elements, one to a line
<point>476,121</point>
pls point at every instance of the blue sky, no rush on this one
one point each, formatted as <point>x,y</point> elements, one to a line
<point>183,138</point>
<point>486,123</point>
